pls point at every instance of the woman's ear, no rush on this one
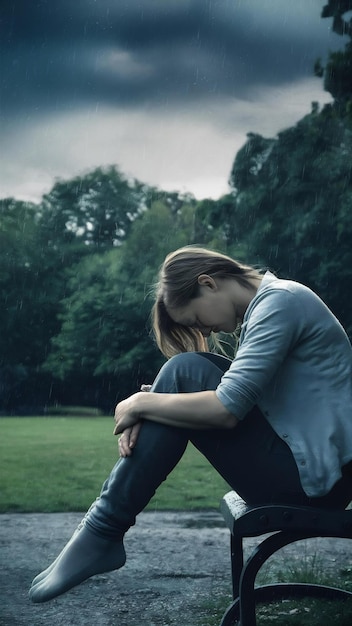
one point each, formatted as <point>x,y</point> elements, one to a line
<point>204,280</point>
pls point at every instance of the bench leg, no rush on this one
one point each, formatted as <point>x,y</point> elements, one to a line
<point>243,576</point>
<point>236,564</point>
<point>232,615</point>
<point>259,556</point>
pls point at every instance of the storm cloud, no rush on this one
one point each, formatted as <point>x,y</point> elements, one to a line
<point>151,58</point>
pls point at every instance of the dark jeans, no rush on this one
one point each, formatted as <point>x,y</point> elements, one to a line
<point>253,460</point>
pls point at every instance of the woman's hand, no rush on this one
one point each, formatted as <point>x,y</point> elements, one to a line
<point>146,387</point>
<point>126,414</point>
<point>129,434</point>
<point>128,440</point>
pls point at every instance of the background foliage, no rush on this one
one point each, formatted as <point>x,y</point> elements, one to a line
<point>77,270</point>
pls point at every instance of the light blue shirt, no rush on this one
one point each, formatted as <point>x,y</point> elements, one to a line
<point>295,362</point>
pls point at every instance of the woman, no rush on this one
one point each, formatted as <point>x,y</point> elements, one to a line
<point>275,422</point>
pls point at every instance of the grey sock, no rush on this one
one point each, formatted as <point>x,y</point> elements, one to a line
<point>85,555</point>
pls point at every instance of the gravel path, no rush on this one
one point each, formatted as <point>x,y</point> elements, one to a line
<point>176,564</point>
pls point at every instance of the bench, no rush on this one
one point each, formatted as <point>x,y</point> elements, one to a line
<point>287,525</point>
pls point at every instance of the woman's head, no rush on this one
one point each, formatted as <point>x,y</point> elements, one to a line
<point>192,295</point>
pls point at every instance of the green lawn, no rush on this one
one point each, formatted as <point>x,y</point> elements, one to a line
<point>59,464</point>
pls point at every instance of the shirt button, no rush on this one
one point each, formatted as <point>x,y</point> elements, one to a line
<point>285,436</point>
<point>303,463</point>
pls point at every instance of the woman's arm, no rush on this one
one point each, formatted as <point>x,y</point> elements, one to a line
<point>199,410</point>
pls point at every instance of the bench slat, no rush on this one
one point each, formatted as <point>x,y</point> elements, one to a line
<point>249,521</point>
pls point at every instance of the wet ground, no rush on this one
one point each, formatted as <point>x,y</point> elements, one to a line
<point>177,565</point>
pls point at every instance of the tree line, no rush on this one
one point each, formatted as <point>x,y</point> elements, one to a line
<point>77,270</point>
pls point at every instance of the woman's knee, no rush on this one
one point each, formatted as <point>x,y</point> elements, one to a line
<point>189,371</point>
<point>183,363</point>
<point>184,360</point>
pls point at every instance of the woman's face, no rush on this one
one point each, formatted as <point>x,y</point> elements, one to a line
<point>220,306</point>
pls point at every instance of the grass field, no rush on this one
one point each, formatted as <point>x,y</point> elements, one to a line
<point>59,464</point>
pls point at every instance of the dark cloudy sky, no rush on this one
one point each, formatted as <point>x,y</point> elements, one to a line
<point>165,89</point>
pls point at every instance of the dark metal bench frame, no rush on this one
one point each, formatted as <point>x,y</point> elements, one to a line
<point>289,524</point>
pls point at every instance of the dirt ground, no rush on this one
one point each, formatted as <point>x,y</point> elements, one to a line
<point>176,564</point>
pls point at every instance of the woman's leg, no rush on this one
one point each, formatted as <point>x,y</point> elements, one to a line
<point>97,546</point>
<point>134,480</point>
<point>254,461</point>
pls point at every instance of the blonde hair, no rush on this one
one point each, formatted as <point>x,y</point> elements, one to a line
<point>178,284</point>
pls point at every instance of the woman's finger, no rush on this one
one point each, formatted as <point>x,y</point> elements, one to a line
<point>134,434</point>
<point>124,443</point>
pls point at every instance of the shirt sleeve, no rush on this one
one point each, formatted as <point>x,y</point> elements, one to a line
<point>272,326</point>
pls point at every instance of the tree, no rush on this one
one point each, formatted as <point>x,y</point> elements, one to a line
<point>338,70</point>
<point>292,204</point>
<point>95,209</point>
<point>336,9</point>
<point>40,244</point>
<point>29,291</point>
